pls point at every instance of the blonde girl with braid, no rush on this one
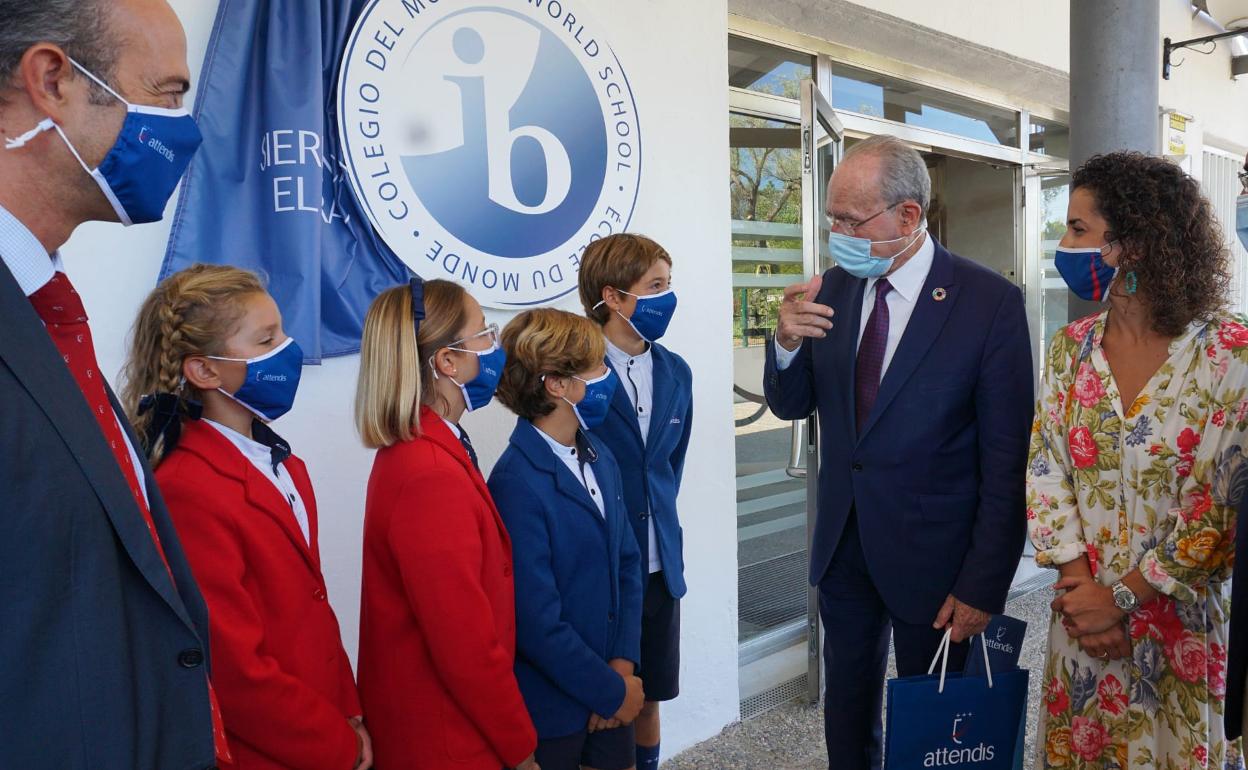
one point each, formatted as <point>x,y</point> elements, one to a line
<point>209,367</point>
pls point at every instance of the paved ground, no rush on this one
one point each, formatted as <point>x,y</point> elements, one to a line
<point>790,737</point>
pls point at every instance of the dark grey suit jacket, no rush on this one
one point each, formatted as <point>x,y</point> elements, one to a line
<point>103,660</point>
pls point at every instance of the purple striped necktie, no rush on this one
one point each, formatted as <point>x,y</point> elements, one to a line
<point>871,355</point>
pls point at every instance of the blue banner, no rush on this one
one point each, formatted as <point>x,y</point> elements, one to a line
<point>267,190</point>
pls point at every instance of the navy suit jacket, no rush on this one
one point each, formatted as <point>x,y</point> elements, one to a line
<point>578,582</point>
<point>102,659</point>
<point>651,469</point>
<point>936,475</point>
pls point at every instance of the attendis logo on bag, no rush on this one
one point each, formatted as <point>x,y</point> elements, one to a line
<point>489,142</point>
<point>961,752</point>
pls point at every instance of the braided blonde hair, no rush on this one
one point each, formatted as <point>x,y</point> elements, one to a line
<point>190,313</point>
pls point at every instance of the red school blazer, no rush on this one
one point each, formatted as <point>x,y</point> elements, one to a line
<point>437,621</point>
<point>281,675</point>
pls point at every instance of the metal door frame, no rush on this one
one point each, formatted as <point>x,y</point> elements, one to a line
<point>819,120</point>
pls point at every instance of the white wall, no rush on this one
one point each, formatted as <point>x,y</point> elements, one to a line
<point>683,203</point>
<point>1032,30</point>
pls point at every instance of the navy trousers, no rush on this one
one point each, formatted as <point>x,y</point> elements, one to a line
<point>857,626</point>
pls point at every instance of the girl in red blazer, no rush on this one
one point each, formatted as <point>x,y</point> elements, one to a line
<point>209,368</point>
<point>437,621</point>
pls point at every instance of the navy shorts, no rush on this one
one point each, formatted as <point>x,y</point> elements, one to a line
<point>614,749</point>
<point>660,641</point>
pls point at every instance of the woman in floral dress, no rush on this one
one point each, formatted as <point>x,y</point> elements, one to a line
<point>1135,474</point>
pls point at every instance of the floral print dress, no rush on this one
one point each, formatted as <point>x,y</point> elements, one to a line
<point>1154,487</point>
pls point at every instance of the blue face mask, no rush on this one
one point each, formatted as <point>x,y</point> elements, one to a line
<point>1085,272</point>
<point>652,314</point>
<point>479,391</point>
<point>853,254</point>
<point>149,157</point>
<point>1241,220</point>
<point>592,409</point>
<point>272,380</point>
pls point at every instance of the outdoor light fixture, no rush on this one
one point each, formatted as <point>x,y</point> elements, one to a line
<point>1239,64</point>
<point>1239,67</point>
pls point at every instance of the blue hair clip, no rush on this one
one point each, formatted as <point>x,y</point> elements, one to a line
<point>418,300</point>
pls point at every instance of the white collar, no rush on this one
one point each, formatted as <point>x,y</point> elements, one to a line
<point>24,255</point>
<point>253,450</point>
<point>562,451</point>
<point>908,279</point>
<point>621,358</point>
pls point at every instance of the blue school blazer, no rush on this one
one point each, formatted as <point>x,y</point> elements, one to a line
<point>651,469</point>
<point>578,582</point>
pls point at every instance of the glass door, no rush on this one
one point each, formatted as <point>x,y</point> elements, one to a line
<point>780,161</point>
<point>823,139</point>
<point>1046,197</point>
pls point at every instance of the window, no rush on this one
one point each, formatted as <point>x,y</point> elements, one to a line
<point>881,96</point>
<point>1049,138</point>
<point>769,69</point>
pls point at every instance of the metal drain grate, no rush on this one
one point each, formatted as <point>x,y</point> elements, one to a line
<point>785,692</point>
<point>772,592</point>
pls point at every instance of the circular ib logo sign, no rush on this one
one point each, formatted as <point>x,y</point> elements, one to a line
<point>489,143</point>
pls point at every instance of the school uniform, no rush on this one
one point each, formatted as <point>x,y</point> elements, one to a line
<point>578,592</point>
<point>250,532</point>
<point>647,430</point>
<point>437,619</point>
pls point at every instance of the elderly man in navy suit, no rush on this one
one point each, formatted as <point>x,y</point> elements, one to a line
<point>103,635</point>
<point>918,363</point>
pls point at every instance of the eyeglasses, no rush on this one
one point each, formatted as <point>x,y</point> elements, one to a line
<point>850,225</point>
<point>490,331</point>
<point>1243,177</point>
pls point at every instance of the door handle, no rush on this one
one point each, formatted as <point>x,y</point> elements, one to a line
<point>797,451</point>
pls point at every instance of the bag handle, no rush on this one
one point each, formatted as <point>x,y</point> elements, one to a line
<point>942,654</point>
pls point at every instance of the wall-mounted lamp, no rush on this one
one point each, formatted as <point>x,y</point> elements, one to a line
<point>1239,64</point>
<point>1239,67</point>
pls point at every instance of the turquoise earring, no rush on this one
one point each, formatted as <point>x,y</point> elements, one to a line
<point>1133,282</point>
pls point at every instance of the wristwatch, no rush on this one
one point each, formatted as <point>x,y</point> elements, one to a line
<point>1124,598</point>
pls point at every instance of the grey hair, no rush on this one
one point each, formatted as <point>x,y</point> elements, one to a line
<point>79,27</point>
<point>903,172</point>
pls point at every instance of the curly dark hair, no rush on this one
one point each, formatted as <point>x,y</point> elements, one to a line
<point>1168,233</point>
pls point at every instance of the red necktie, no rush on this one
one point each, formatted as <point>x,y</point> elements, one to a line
<point>871,354</point>
<point>63,315</point>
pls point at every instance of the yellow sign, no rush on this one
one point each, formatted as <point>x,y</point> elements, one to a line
<point>1176,134</point>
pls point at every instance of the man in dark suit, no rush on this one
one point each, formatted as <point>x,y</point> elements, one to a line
<point>923,386</point>
<point>103,634</point>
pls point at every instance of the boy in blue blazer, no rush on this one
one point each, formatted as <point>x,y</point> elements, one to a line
<point>625,287</point>
<point>577,566</point>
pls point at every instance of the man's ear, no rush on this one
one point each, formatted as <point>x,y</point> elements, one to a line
<point>911,215</point>
<point>201,373</point>
<point>47,76</point>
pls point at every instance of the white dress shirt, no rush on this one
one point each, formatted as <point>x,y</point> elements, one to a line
<point>582,473</point>
<point>33,267</point>
<point>637,380</point>
<point>261,456</point>
<point>907,284</point>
